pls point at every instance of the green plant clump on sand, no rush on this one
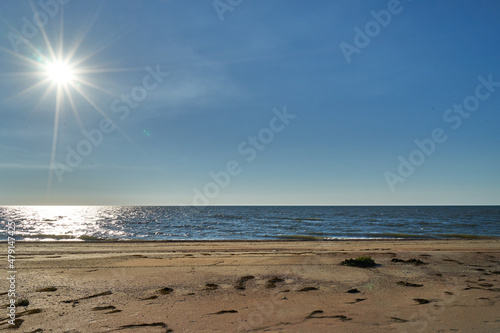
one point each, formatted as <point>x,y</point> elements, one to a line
<point>363,261</point>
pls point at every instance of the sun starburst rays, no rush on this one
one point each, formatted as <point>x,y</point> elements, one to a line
<point>73,108</point>
<point>63,71</point>
<point>54,137</point>
<point>60,73</point>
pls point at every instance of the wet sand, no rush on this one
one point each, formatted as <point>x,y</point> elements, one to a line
<point>292,286</point>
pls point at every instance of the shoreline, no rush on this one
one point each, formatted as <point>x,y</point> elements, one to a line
<point>284,239</point>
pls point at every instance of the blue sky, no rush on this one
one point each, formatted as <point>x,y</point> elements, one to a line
<point>350,119</point>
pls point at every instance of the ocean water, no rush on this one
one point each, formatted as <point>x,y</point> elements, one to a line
<point>83,223</point>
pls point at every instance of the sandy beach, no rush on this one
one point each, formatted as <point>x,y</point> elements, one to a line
<point>271,286</point>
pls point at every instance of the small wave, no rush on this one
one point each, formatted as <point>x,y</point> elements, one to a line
<point>227,217</point>
<point>89,238</point>
<point>45,236</point>
<point>352,238</point>
<point>307,219</point>
<point>467,236</point>
<point>398,235</point>
<point>301,237</point>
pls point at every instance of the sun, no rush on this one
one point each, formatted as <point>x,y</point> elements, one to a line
<point>60,73</point>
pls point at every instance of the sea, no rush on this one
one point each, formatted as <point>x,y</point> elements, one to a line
<point>93,223</point>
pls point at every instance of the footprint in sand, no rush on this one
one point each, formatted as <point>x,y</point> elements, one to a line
<point>421,300</point>
<point>408,284</point>
<point>353,291</point>
<point>399,320</point>
<point>211,286</point>
<point>224,312</point>
<point>150,297</point>
<point>455,261</point>
<point>18,321</point>
<point>272,282</point>
<point>315,312</point>
<point>102,308</point>
<point>241,282</point>
<point>92,296</point>
<point>318,314</point>
<point>357,301</point>
<point>163,325</point>
<point>165,291</point>
<point>46,290</point>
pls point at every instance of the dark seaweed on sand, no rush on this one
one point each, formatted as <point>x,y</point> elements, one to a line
<point>415,262</point>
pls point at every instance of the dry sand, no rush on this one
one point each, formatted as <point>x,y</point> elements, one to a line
<point>257,287</point>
